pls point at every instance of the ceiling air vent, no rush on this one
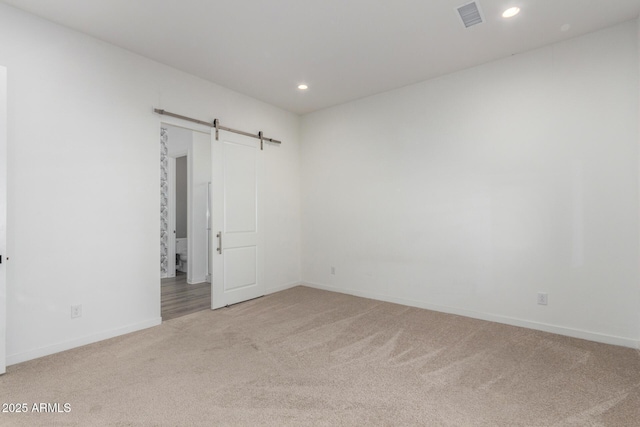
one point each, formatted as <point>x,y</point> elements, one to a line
<point>470,14</point>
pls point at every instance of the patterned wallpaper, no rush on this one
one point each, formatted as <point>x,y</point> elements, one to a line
<point>164,200</point>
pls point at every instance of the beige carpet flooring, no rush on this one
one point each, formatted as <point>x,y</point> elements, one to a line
<point>310,357</point>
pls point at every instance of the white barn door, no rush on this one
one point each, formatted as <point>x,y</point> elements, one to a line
<point>238,235</point>
<point>3,219</point>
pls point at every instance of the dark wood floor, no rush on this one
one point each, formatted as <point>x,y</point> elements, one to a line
<point>180,298</point>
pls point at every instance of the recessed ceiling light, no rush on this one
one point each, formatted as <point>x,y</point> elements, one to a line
<point>303,87</point>
<point>512,11</point>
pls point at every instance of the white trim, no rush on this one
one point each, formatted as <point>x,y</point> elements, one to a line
<point>554,329</point>
<point>177,154</point>
<point>79,342</point>
<point>190,251</point>
<point>197,280</point>
<point>283,287</point>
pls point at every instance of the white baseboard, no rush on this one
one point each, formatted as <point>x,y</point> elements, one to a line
<point>12,359</point>
<point>283,287</point>
<point>197,280</point>
<point>554,329</point>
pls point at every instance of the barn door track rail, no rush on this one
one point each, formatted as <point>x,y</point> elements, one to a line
<point>218,127</point>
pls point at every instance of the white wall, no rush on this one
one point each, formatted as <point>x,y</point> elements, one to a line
<point>84,197</point>
<point>472,192</point>
<point>179,140</point>
<point>199,178</point>
<point>638,90</point>
<point>3,217</point>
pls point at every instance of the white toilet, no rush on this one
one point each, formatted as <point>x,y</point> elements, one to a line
<point>181,249</point>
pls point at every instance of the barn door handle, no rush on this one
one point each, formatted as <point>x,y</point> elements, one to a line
<point>219,236</point>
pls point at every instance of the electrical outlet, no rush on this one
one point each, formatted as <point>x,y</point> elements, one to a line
<point>76,311</point>
<point>333,270</point>
<point>542,298</point>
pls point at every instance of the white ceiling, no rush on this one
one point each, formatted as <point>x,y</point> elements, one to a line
<point>343,49</point>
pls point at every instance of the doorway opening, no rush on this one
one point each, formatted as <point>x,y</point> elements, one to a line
<point>185,221</point>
